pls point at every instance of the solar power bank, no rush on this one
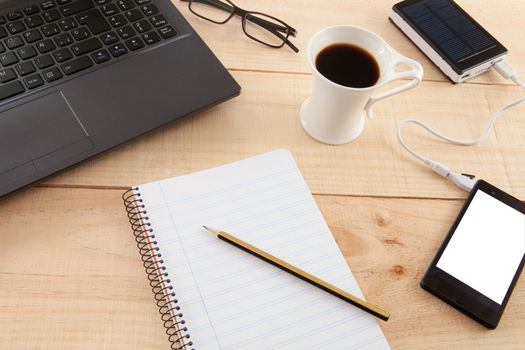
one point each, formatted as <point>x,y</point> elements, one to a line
<point>448,36</point>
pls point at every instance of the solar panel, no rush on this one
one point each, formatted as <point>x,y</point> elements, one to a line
<point>444,24</point>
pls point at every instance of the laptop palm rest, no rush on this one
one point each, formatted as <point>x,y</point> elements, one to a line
<point>37,135</point>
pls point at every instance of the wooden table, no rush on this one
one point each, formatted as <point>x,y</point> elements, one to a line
<point>70,274</point>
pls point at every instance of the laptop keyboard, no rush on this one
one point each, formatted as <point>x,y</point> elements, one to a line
<point>54,39</point>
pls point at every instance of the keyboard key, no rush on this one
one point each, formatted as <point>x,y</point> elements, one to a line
<point>142,26</point>
<point>94,20</point>
<point>7,74</point>
<point>117,21</point>
<point>32,35</point>
<point>27,52</point>
<point>86,46</point>
<point>101,2</point>
<point>51,15</point>
<point>62,2</point>
<point>52,74</point>
<point>118,50</point>
<point>125,4</point>
<point>3,20</point>
<point>25,68</point>
<point>44,61</point>
<point>8,59</point>
<point>31,10</point>
<point>76,7</point>
<point>15,27</point>
<point>14,42</point>
<point>46,5</point>
<point>158,21</point>
<point>80,33</point>
<point>63,39</point>
<point>45,46</point>
<point>2,48</point>
<point>67,24</point>
<point>100,56</point>
<point>62,55</point>
<point>149,9</point>
<point>11,89</point>
<point>77,65</point>
<point>109,38</point>
<point>134,44</point>
<point>134,15</point>
<point>33,81</point>
<point>50,29</point>
<point>151,38</point>
<point>141,2</point>
<point>3,32</point>
<point>34,21</point>
<point>167,32</point>
<point>109,10</point>
<point>13,16</point>
<point>126,32</point>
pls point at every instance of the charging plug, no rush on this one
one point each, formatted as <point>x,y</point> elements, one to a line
<point>505,70</point>
<point>464,181</point>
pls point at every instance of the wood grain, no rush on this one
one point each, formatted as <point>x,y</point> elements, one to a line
<point>388,244</point>
<point>266,117</point>
<point>71,277</point>
<point>236,51</point>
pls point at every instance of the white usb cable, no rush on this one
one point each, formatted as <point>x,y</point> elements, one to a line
<point>463,181</point>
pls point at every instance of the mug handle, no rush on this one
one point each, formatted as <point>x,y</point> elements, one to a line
<point>415,74</point>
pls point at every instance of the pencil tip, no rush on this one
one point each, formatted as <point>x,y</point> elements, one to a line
<point>212,230</point>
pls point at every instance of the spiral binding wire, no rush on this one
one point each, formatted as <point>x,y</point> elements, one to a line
<point>153,263</point>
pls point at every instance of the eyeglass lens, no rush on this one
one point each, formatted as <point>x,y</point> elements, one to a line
<point>217,11</point>
<point>266,29</point>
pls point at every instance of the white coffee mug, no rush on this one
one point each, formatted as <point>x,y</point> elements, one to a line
<point>334,114</point>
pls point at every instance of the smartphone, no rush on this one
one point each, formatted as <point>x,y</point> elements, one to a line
<point>458,45</point>
<point>482,256</point>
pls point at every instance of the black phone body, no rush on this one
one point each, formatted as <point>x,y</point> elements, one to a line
<point>448,36</point>
<point>480,260</point>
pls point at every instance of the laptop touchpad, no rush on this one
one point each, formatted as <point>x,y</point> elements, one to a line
<point>39,134</point>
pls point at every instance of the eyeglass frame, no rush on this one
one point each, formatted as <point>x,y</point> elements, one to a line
<point>276,30</point>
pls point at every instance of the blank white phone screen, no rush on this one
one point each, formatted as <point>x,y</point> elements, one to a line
<point>487,247</point>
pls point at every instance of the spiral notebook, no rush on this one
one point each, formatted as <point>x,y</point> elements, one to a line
<point>212,295</point>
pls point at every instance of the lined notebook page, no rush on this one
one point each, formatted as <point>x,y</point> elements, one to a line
<point>233,300</point>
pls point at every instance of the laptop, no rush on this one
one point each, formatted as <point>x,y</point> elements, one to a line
<point>79,77</point>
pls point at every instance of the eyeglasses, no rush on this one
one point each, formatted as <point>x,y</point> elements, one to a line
<point>258,26</point>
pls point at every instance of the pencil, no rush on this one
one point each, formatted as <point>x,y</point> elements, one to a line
<point>305,276</point>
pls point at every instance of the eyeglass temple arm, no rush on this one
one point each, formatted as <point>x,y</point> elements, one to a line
<point>268,24</point>
<point>291,46</point>
<point>263,23</point>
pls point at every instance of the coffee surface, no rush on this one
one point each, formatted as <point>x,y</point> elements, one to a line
<point>348,65</point>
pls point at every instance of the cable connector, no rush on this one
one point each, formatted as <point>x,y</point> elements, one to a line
<point>464,181</point>
<point>505,70</point>
<point>440,169</point>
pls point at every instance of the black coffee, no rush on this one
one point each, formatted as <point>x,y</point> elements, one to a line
<point>348,65</point>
